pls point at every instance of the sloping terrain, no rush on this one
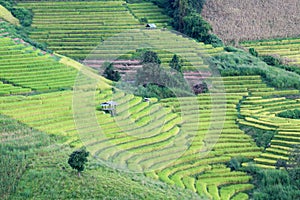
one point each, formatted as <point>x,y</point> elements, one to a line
<point>37,169</point>
<point>260,112</point>
<point>179,148</point>
<point>288,49</point>
<point>7,16</point>
<point>75,28</point>
<point>239,20</point>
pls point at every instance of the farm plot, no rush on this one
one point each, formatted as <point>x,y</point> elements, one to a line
<point>260,112</point>
<point>25,67</point>
<point>143,130</point>
<point>75,28</point>
<point>288,49</point>
<point>147,12</point>
<point>134,143</point>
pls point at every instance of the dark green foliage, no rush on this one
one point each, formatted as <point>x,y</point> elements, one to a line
<point>186,19</point>
<point>78,159</point>
<point>270,60</point>
<point>24,15</point>
<point>176,63</point>
<point>280,163</point>
<point>196,27</point>
<point>231,49</point>
<point>292,114</point>
<point>294,159</point>
<point>150,57</point>
<point>272,184</point>
<point>241,63</point>
<point>200,88</point>
<point>253,52</point>
<point>277,184</point>
<point>276,62</point>
<point>236,163</point>
<point>214,40</point>
<point>110,73</point>
<point>144,20</point>
<point>154,81</point>
<point>261,137</point>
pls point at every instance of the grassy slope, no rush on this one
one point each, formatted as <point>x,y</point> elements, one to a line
<point>7,16</point>
<point>37,169</point>
<point>248,20</point>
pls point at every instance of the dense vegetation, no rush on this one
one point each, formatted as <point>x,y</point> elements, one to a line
<point>231,142</point>
<point>186,18</point>
<point>24,15</point>
<point>293,114</point>
<point>241,63</point>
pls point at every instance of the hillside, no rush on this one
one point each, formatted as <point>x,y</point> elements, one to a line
<point>239,20</point>
<point>234,140</point>
<point>39,155</point>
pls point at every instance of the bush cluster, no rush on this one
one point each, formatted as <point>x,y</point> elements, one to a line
<point>24,15</point>
<point>293,114</point>
<point>241,63</point>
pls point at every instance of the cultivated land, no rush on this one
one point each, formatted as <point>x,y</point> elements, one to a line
<point>239,20</point>
<point>288,48</point>
<point>180,147</point>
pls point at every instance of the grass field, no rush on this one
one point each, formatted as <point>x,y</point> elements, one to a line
<point>37,169</point>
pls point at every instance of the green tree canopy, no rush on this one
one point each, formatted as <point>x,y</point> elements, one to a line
<point>176,63</point>
<point>78,159</point>
<point>150,57</point>
<point>110,73</point>
<point>196,27</point>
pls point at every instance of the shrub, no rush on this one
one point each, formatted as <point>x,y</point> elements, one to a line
<point>214,40</point>
<point>150,57</point>
<point>292,114</point>
<point>261,137</point>
<point>231,49</point>
<point>78,159</point>
<point>110,73</point>
<point>253,52</point>
<point>241,63</point>
<point>143,20</point>
<point>270,60</point>
<point>25,16</point>
<point>176,63</point>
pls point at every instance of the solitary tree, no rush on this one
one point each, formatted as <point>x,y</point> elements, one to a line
<point>176,63</point>
<point>77,159</point>
<point>110,73</point>
<point>150,57</point>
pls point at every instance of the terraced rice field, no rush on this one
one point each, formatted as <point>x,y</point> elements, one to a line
<point>288,49</point>
<point>260,112</point>
<point>151,12</point>
<point>165,43</point>
<point>75,28</point>
<point>168,124</point>
<point>22,66</point>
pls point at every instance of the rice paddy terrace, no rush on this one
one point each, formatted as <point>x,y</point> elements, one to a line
<point>186,142</point>
<point>75,29</point>
<point>288,49</point>
<point>260,112</point>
